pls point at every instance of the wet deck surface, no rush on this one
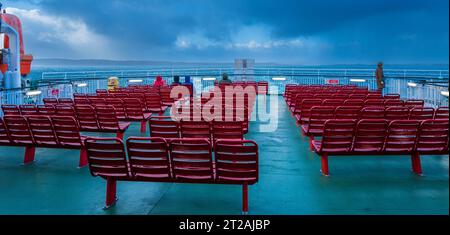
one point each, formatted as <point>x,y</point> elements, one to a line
<point>290,183</point>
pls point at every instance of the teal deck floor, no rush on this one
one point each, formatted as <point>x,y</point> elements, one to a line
<point>290,184</point>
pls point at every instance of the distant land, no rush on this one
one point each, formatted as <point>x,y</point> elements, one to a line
<point>49,62</point>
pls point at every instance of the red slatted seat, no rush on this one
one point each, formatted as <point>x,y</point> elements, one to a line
<point>421,114</point>
<point>134,111</point>
<point>358,96</point>
<point>19,131</point>
<point>118,105</point>
<point>372,113</point>
<point>97,101</point>
<point>164,127</point>
<point>108,121</point>
<point>433,137</point>
<point>340,96</point>
<point>305,109</point>
<point>227,130</point>
<point>65,101</point>
<point>43,132</point>
<point>441,113</point>
<point>153,104</point>
<point>79,95</point>
<point>414,103</point>
<point>65,110</point>
<point>149,159</point>
<point>374,96</point>
<point>166,100</point>
<point>397,113</point>
<point>87,117</point>
<point>333,102</point>
<point>393,103</point>
<point>10,110</point>
<point>192,160</point>
<point>82,101</point>
<point>370,136</point>
<point>354,102</point>
<point>315,124</point>
<point>401,137</point>
<point>28,110</point>
<point>337,137</point>
<point>67,132</point>
<point>392,96</point>
<point>107,159</point>
<point>46,110</point>
<point>236,162</point>
<point>374,102</point>
<point>4,137</point>
<point>347,112</point>
<point>195,129</point>
<point>51,101</point>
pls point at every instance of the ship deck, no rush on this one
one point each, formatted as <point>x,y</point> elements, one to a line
<point>290,184</point>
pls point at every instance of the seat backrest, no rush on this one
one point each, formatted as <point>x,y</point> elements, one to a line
<point>338,136</point>
<point>10,110</point>
<point>414,103</point>
<point>50,101</point>
<point>42,130</point>
<point>319,115</point>
<point>433,135</point>
<point>397,113</point>
<point>358,96</point>
<point>149,158</point>
<point>441,113</point>
<point>107,117</point>
<point>236,161</point>
<point>46,110</point>
<point>164,127</point>
<point>340,96</point>
<point>86,116</point>
<point>393,103</point>
<point>65,110</point>
<point>4,136</point>
<point>347,112</point>
<point>370,135</point>
<point>28,110</point>
<point>65,101</point>
<point>19,130</point>
<point>228,130</point>
<point>392,96</point>
<point>195,129</point>
<point>374,96</point>
<point>333,102</point>
<point>306,106</point>
<point>97,101</point>
<point>402,135</point>
<point>354,102</point>
<point>374,102</point>
<point>82,101</point>
<point>372,113</point>
<point>67,131</point>
<point>421,113</point>
<point>191,159</point>
<point>133,107</point>
<point>153,101</point>
<point>107,158</point>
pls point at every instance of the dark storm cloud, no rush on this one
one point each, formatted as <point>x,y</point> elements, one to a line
<point>369,29</point>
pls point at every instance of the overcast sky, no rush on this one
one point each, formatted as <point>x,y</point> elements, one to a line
<point>309,32</point>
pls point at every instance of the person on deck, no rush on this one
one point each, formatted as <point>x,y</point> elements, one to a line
<point>176,81</point>
<point>225,79</point>
<point>159,82</point>
<point>380,77</point>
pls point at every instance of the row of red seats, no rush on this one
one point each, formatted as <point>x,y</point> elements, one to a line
<point>336,96</point>
<point>380,137</point>
<point>307,103</point>
<point>42,132</point>
<point>165,127</point>
<point>148,103</point>
<point>176,161</point>
<point>359,112</point>
<point>313,122</point>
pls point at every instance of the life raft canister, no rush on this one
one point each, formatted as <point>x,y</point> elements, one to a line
<point>113,83</point>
